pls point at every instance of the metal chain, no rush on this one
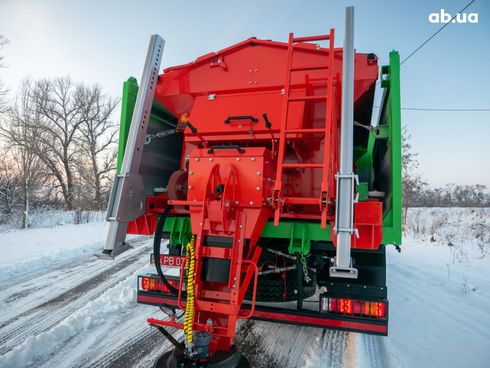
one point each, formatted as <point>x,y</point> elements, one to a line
<point>150,137</point>
<point>277,270</point>
<point>280,253</point>
<point>305,268</point>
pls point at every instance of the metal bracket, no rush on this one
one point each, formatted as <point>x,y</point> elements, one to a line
<point>343,272</point>
<point>127,199</point>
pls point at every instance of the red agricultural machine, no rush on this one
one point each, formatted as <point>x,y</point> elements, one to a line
<point>260,171</point>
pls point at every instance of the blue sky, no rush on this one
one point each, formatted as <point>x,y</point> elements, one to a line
<point>104,42</point>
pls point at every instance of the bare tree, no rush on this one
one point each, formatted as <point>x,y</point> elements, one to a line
<point>57,106</point>
<point>19,131</point>
<point>97,142</point>
<point>8,188</point>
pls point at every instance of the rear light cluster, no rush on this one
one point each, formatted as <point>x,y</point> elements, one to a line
<point>156,285</point>
<point>351,307</point>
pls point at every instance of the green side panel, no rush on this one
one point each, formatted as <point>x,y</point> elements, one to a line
<point>286,229</point>
<point>130,91</point>
<point>162,156</point>
<point>390,129</point>
<point>179,229</point>
<point>362,190</point>
<point>299,241</point>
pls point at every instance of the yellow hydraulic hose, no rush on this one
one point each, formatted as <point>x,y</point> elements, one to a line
<point>189,304</point>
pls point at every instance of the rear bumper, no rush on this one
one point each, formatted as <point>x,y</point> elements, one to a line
<point>303,317</point>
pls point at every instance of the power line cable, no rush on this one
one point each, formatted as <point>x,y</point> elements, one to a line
<point>433,35</point>
<point>442,109</point>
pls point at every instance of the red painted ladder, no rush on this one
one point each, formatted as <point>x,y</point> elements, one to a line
<point>279,201</point>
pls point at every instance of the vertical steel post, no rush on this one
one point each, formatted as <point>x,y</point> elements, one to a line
<point>344,219</point>
<point>127,199</point>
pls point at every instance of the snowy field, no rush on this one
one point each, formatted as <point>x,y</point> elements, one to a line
<point>62,307</point>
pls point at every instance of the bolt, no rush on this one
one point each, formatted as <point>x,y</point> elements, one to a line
<point>191,173</point>
<point>241,226</point>
<point>256,70</point>
<point>255,82</point>
<point>251,203</point>
<point>258,188</point>
<point>234,278</point>
<point>234,285</point>
<point>249,82</point>
<point>210,159</point>
<point>190,187</point>
<point>250,70</point>
<point>236,202</point>
<point>238,159</point>
<point>200,224</point>
<point>253,159</point>
<point>258,173</point>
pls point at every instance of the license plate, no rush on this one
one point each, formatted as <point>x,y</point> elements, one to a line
<point>171,261</point>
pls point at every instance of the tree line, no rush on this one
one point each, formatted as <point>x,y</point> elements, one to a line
<point>417,192</point>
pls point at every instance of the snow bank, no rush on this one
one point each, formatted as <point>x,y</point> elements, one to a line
<point>465,230</point>
<point>51,218</point>
<point>28,250</point>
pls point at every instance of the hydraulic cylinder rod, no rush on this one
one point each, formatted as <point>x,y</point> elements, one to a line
<point>344,224</point>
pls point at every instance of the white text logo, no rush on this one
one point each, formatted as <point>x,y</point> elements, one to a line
<point>443,17</point>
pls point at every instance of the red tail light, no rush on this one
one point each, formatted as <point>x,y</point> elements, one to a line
<point>144,283</point>
<point>156,285</point>
<point>352,307</point>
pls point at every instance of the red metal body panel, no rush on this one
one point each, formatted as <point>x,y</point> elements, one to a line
<point>368,220</point>
<point>247,79</point>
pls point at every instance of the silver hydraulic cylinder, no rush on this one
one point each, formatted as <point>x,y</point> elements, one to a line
<point>346,180</point>
<point>127,199</point>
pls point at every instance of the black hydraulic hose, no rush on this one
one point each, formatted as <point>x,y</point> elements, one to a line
<point>156,252</point>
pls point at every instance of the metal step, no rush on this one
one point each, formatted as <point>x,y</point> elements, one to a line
<point>311,38</point>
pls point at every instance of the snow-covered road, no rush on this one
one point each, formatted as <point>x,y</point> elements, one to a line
<point>67,309</point>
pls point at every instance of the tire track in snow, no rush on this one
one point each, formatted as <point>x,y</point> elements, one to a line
<point>72,272</point>
<point>372,351</point>
<point>56,310</point>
